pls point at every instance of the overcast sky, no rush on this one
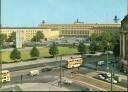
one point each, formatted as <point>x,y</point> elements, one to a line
<point>32,12</point>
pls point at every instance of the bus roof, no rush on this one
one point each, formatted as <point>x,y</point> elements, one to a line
<point>78,58</point>
<point>4,71</point>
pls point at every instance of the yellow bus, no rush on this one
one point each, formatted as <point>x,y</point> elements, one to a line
<point>73,62</point>
<point>5,76</point>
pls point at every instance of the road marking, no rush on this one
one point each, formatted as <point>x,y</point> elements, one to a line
<point>90,85</point>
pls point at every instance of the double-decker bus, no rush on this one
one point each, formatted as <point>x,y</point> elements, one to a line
<point>5,76</point>
<point>73,62</point>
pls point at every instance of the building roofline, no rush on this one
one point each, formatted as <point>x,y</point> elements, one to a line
<point>24,28</point>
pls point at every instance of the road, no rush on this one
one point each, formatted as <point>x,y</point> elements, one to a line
<point>84,78</point>
<point>44,77</point>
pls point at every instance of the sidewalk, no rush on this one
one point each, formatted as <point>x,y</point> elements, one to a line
<point>34,87</point>
<point>38,61</point>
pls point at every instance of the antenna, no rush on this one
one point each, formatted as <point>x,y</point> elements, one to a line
<point>116,19</point>
<point>77,21</point>
<point>43,21</point>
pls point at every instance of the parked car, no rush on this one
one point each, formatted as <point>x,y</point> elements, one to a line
<point>46,69</point>
<point>101,76</point>
<point>109,52</point>
<point>109,75</point>
<point>101,62</point>
<point>67,81</point>
<point>113,80</point>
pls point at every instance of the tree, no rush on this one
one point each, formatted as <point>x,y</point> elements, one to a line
<point>15,54</point>
<point>39,35</point>
<point>82,48</point>
<point>53,49</point>
<point>93,46</point>
<point>116,50</point>
<point>106,38</point>
<point>94,37</point>
<point>34,52</point>
<point>12,37</point>
<point>3,38</point>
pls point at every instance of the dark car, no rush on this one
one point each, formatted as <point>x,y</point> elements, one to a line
<point>46,69</point>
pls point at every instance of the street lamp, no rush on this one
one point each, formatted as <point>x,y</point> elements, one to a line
<point>111,77</point>
<point>60,71</point>
<point>107,55</point>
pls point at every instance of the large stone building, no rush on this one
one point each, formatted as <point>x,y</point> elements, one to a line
<point>80,29</point>
<point>124,40</point>
<point>29,32</point>
<point>54,31</point>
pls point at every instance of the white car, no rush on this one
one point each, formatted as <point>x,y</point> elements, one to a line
<point>67,81</point>
<point>101,62</point>
<point>101,77</point>
<point>109,52</point>
<point>108,74</point>
<point>113,80</point>
<point>34,72</point>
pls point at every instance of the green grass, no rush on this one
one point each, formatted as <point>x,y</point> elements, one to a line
<point>44,52</point>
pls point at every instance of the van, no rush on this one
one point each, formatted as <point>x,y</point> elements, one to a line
<point>34,72</point>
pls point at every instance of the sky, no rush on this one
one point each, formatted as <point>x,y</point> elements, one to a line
<point>28,13</point>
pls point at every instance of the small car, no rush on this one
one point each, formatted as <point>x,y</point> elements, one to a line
<point>100,63</point>
<point>33,72</point>
<point>113,80</point>
<point>46,69</point>
<point>101,77</point>
<point>109,75</point>
<point>67,81</point>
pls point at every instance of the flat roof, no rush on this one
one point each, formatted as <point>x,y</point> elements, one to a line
<point>24,28</point>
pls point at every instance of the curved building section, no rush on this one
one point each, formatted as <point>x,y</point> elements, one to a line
<point>124,41</point>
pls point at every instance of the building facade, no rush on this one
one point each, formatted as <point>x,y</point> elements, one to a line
<point>29,32</point>
<point>54,31</point>
<point>124,41</point>
<point>79,29</point>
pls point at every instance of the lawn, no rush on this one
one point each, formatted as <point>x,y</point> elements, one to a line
<point>44,52</point>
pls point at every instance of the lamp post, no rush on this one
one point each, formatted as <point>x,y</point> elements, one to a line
<point>111,76</point>
<point>107,56</point>
<point>60,71</point>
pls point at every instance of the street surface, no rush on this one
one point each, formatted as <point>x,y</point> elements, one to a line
<point>81,80</point>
